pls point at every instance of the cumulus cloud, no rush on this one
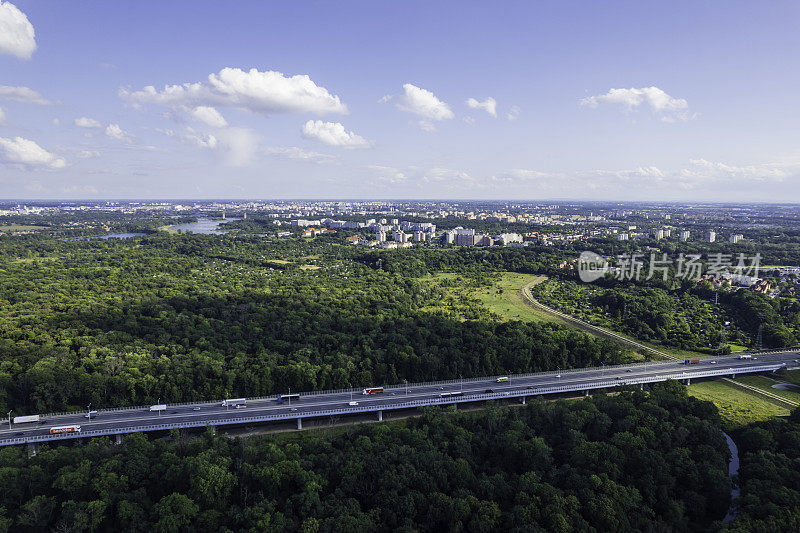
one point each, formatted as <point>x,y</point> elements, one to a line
<point>513,113</point>
<point>27,154</point>
<point>489,105</point>
<point>298,154</point>
<point>333,134</point>
<point>86,122</point>
<point>22,94</point>
<point>17,36</point>
<point>115,132</point>
<point>87,154</point>
<point>210,116</point>
<point>2,116</point>
<point>664,105</point>
<point>420,102</point>
<point>267,92</point>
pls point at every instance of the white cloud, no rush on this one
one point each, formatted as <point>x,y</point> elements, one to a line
<point>240,145</point>
<point>17,36</point>
<point>115,132</point>
<point>704,170</point>
<point>209,115</point>
<point>333,134</point>
<point>447,174</point>
<point>200,139</point>
<point>489,105</point>
<point>267,92</point>
<point>420,102</point>
<point>388,174</point>
<point>652,172</point>
<point>88,154</point>
<point>86,122</point>
<point>514,113</point>
<point>298,154</point>
<point>426,125</point>
<point>521,174</point>
<point>2,116</point>
<point>22,94</point>
<point>27,154</point>
<point>468,120</point>
<point>668,108</point>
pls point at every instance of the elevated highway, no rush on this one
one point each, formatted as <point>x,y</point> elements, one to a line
<point>344,403</point>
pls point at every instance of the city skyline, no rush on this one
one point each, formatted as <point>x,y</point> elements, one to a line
<point>411,100</point>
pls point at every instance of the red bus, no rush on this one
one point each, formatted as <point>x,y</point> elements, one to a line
<point>65,429</point>
<point>372,390</point>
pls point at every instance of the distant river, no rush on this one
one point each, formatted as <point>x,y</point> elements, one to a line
<point>733,471</point>
<point>204,226</point>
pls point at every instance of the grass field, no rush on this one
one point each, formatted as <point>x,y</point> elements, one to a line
<point>504,299</point>
<point>765,383</point>
<point>737,407</point>
<point>10,228</point>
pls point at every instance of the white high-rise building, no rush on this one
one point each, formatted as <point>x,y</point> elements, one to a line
<point>685,235</point>
<point>711,236</point>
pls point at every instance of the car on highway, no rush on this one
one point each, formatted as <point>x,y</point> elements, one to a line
<point>19,433</point>
<point>629,370</point>
<point>488,391</point>
<point>617,377</point>
<point>712,362</point>
<point>195,408</point>
<point>294,409</point>
<point>352,404</point>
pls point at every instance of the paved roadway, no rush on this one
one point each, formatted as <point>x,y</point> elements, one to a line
<point>337,403</point>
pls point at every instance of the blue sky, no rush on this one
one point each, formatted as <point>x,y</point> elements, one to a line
<point>571,100</point>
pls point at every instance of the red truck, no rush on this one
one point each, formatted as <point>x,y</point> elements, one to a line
<point>372,390</point>
<point>691,361</point>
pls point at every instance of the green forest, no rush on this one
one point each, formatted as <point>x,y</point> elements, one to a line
<point>195,317</point>
<point>687,316</point>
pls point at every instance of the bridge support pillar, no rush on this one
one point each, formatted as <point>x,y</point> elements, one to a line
<point>33,449</point>
<point>118,439</point>
<point>586,392</point>
<point>380,416</point>
<point>299,423</point>
<point>641,386</point>
<point>523,400</point>
<point>688,381</point>
<point>733,376</point>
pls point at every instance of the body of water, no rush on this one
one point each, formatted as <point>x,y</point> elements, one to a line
<point>733,471</point>
<point>204,226</point>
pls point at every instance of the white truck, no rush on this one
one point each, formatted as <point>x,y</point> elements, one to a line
<point>158,407</point>
<point>745,356</point>
<point>25,419</point>
<point>238,403</point>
